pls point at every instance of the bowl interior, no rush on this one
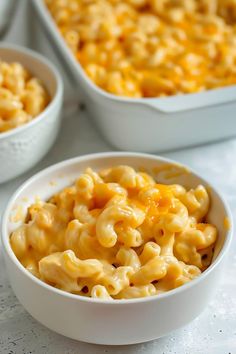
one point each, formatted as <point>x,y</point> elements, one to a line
<point>46,183</point>
<point>34,63</point>
<point>171,104</point>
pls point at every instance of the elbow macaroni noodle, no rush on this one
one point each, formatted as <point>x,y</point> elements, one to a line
<point>22,97</point>
<point>151,48</point>
<point>117,234</point>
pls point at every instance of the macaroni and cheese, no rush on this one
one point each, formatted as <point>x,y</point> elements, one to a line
<point>22,96</point>
<point>151,48</point>
<point>117,234</point>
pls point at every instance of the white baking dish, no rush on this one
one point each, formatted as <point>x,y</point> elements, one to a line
<point>149,125</point>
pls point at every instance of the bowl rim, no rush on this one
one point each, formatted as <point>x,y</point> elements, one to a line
<point>9,252</point>
<point>55,100</point>
<point>170,104</point>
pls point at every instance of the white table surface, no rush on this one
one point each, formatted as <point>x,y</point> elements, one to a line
<point>213,332</point>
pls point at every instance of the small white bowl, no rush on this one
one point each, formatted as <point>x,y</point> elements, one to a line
<point>111,322</point>
<point>21,148</point>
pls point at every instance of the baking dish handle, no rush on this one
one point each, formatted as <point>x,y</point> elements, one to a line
<point>179,103</point>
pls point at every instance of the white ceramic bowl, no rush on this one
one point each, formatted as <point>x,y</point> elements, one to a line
<point>121,321</point>
<point>147,124</point>
<point>22,147</point>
